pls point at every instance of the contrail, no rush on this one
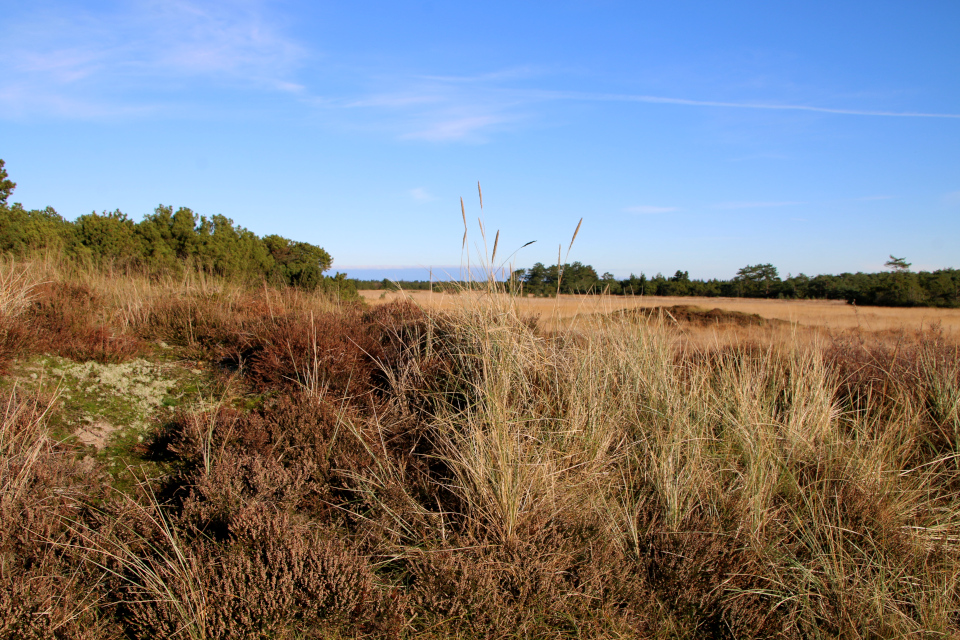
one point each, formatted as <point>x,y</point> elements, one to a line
<point>613,97</point>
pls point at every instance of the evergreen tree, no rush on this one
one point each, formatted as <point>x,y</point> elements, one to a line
<point>899,265</point>
<point>6,185</point>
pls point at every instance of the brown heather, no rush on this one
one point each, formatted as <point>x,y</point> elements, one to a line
<point>404,471</point>
<point>46,590</point>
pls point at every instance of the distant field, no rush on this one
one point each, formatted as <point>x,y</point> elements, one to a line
<point>828,314</point>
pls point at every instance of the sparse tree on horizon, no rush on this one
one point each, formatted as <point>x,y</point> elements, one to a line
<point>756,276</point>
<point>899,265</point>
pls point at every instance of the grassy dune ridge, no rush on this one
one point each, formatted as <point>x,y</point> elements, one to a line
<point>470,470</point>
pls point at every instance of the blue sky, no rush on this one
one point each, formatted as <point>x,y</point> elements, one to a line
<point>703,136</point>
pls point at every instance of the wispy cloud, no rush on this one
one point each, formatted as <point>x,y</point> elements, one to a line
<point>952,198</point>
<point>871,198</point>
<point>456,128</point>
<point>456,108</point>
<point>229,37</point>
<point>108,61</point>
<point>647,209</point>
<point>441,108</point>
<point>146,54</point>
<point>529,72</point>
<point>422,195</point>
<point>756,205</point>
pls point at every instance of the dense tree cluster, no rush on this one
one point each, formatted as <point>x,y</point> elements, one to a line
<point>393,285</point>
<point>901,287</point>
<point>166,241</point>
<point>542,280</point>
<point>898,288</point>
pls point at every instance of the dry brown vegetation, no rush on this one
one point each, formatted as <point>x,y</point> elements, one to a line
<point>832,315</point>
<point>408,470</point>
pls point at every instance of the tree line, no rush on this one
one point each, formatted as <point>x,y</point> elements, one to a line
<point>439,286</point>
<point>898,287</point>
<point>167,241</point>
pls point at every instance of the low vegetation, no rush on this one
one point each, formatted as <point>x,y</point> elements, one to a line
<point>280,463</point>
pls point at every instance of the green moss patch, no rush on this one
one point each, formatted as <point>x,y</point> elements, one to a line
<point>106,410</point>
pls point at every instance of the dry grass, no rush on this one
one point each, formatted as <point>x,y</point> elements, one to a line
<point>747,455</point>
<point>45,591</point>
<point>17,285</point>
<point>824,314</point>
<point>453,469</point>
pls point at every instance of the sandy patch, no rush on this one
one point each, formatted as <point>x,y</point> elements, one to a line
<point>95,434</point>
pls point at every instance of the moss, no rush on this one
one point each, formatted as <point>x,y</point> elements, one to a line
<point>106,410</point>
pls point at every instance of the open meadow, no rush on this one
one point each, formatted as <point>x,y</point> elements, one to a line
<point>831,315</point>
<point>186,457</point>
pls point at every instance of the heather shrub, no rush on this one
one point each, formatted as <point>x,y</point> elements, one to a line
<point>549,585</point>
<point>16,293</point>
<point>46,588</point>
<point>269,576</point>
<point>208,318</point>
<point>71,320</point>
<point>15,340</point>
<point>324,353</point>
<point>269,498</point>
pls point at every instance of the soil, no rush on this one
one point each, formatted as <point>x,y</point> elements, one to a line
<point>96,434</point>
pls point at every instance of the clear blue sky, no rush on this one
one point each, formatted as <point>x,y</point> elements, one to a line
<point>704,136</point>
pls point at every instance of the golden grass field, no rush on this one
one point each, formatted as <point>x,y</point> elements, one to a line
<point>830,315</point>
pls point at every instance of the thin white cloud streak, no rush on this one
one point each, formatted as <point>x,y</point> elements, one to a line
<point>755,205</point>
<point>611,97</point>
<point>952,198</point>
<point>445,108</point>
<point>496,103</point>
<point>647,209</point>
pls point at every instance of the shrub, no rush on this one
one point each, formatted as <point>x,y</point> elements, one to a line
<point>46,588</point>
<point>67,320</point>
